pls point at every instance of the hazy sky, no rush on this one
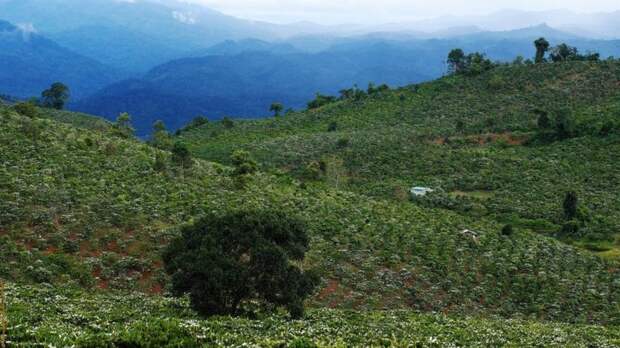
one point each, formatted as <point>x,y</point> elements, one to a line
<point>381,11</point>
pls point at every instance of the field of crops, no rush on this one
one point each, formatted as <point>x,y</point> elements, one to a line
<point>458,135</point>
<point>61,318</point>
<point>85,214</point>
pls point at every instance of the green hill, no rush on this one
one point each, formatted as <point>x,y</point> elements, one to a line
<point>85,214</point>
<point>473,139</point>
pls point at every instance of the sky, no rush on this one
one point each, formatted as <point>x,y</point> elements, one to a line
<point>384,11</point>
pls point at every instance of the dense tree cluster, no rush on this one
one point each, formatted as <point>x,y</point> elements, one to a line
<point>471,64</point>
<point>223,262</point>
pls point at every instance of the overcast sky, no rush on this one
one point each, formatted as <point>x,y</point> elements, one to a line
<point>381,11</point>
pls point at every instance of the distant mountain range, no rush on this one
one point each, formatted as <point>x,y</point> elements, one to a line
<point>243,78</point>
<point>170,60</point>
<point>30,62</point>
<point>139,34</point>
<point>604,25</point>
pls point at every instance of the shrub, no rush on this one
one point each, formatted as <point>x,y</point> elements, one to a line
<point>507,230</point>
<point>223,261</point>
<point>27,109</point>
<point>181,155</point>
<point>228,123</point>
<point>342,143</point>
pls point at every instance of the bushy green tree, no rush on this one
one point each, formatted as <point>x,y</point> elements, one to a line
<point>320,100</point>
<point>542,46</point>
<point>181,156</point>
<point>564,52</point>
<point>276,108</point>
<point>507,230</point>
<point>28,109</point>
<point>224,261</point>
<point>123,125</point>
<point>160,137</point>
<point>244,163</point>
<point>456,60</point>
<point>227,122</point>
<point>543,121</point>
<point>332,126</point>
<point>570,205</point>
<point>56,96</point>
<point>471,64</point>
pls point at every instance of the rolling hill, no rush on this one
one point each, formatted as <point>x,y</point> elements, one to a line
<point>90,210</point>
<point>475,139</point>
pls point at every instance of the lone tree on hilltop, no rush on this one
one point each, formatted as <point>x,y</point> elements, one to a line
<point>542,46</point>
<point>56,96</point>
<point>225,261</point>
<point>456,60</point>
<point>123,125</point>
<point>276,108</point>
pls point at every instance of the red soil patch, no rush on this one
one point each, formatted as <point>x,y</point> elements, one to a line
<point>103,284</point>
<point>50,250</point>
<point>156,289</point>
<point>332,287</point>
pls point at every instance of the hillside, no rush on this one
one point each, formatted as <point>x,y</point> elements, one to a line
<point>84,208</point>
<point>475,139</point>
<point>31,62</point>
<point>242,79</point>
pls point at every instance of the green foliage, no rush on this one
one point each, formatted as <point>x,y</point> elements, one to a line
<point>507,230</point>
<point>27,109</point>
<point>63,317</point>
<point>181,156</point>
<point>320,101</point>
<point>564,52</point>
<point>228,123</point>
<point>244,164</point>
<point>458,134</point>
<point>276,108</point>
<point>570,205</point>
<point>241,257</point>
<point>471,64</point>
<point>161,138</point>
<point>56,96</point>
<point>542,46</point>
<point>123,127</point>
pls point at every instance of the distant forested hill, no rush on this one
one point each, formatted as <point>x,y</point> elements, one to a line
<point>243,78</point>
<point>30,62</point>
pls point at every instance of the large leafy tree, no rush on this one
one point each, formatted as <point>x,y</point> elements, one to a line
<point>456,60</point>
<point>276,108</point>
<point>56,96</point>
<point>225,261</point>
<point>542,46</point>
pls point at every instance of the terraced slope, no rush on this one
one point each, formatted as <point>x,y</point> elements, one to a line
<point>473,139</point>
<point>82,208</point>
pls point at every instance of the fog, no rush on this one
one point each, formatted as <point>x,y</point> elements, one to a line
<point>377,12</point>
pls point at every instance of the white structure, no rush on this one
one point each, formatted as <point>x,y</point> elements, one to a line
<point>421,191</point>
